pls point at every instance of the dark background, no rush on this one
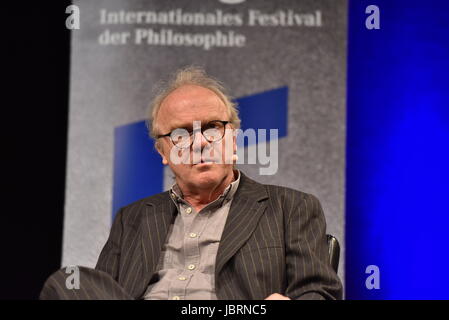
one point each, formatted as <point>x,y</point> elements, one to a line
<point>34,116</point>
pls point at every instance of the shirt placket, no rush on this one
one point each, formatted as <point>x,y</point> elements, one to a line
<point>192,225</point>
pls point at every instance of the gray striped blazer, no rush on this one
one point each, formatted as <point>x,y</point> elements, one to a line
<point>274,241</point>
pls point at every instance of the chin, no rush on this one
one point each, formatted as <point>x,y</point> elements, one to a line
<point>208,175</point>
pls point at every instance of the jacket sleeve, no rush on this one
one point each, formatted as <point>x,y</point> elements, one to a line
<point>109,259</point>
<point>309,273</point>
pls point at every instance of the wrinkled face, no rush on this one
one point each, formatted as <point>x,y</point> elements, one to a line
<point>203,164</point>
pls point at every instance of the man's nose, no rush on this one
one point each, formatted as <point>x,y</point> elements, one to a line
<point>199,141</point>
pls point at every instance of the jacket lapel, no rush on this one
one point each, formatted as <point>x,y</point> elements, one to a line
<point>246,209</point>
<point>159,213</point>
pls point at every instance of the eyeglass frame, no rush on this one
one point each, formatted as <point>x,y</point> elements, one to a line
<point>223,122</point>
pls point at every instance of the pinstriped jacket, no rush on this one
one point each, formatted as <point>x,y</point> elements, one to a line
<point>274,241</point>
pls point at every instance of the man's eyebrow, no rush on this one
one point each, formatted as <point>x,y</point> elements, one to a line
<point>189,126</point>
<point>181,126</point>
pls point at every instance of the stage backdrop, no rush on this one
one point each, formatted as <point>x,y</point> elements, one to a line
<point>283,61</point>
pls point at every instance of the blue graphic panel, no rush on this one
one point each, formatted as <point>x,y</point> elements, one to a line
<point>266,110</point>
<point>138,170</point>
<point>397,207</point>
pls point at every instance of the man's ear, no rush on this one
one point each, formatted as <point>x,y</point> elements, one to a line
<point>161,153</point>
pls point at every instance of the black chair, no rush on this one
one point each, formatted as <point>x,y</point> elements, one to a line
<point>334,251</point>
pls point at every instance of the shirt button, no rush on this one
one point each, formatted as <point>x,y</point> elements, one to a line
<point>176,298</point>
<point>189,210</point>
<point>182,278</point>
<point>193,235</point>
<point>191,267</point>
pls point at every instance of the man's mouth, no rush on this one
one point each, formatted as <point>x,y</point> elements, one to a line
<point>205,161</point>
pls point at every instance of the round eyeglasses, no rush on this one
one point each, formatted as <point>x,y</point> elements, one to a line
<point>182,138</point>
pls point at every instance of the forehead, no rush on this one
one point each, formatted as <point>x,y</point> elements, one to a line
<point>190,103</point>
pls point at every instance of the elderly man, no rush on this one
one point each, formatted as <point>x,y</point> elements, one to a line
<point>216,234</point>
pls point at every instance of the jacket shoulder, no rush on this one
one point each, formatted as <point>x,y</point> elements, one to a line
<point>289,198</point>
<point>286,193</point>
<point>131,212</point>
<point>280,194</point>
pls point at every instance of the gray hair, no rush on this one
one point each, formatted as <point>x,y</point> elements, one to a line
<point>190,75</point>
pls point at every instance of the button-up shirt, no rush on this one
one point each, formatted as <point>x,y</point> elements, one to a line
<point>186,268</point>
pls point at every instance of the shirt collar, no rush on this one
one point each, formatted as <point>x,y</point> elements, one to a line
<point>177,196</point>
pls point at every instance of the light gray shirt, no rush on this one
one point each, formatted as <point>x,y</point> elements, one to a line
<point>187,261</point>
